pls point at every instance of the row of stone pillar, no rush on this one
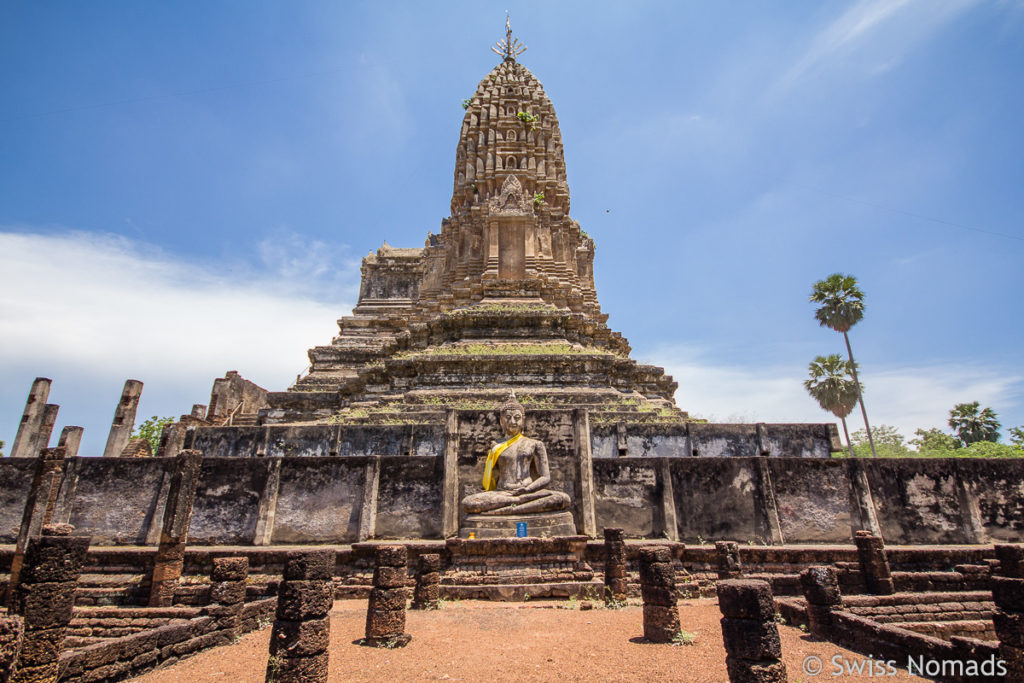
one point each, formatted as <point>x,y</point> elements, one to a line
<point>300,637</point>
<point>874,563</point>
<point>39,417</point>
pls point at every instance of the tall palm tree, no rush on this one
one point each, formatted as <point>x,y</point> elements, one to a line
<point>972,423</point>
<point>833,388</point>
<point>842,307</point>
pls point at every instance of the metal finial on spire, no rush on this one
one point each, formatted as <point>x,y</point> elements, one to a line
<point>508,47</point>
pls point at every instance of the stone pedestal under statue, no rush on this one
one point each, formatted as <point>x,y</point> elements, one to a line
<point>515,488</point>
<point>538,525</point>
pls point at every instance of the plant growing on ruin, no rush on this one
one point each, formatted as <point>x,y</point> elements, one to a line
<point>528,119</point>
<point>972,423</point>
<point>538,199</point>
<point>151,429</point>
<point>842,307</point>
<point>466,103</point>
<point>831,384</point>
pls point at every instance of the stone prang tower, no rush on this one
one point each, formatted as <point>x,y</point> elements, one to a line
<point>502,299</point>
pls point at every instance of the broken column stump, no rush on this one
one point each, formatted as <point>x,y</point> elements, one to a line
<point>728,554</point>
<point>227,595</point>
<point>751,636</point>
<point>821,591</point>
<point>385,614</point>
<point>70,439</point>
<point>658,589</point>
<point>170,555</point>
<point>427,593</point>
<point>1008,594</point>
<point>615,579</point>
<point>12,631</point>
<point>45,599</point>
<point>49,467</point>
<point>302,624</point>
<point>874,563</point>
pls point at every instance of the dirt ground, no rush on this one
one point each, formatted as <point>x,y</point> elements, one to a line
<point>534,641</point>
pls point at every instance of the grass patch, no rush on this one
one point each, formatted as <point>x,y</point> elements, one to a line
<point>499,308</point>
<point>507,349</point>
<point>684,638</point>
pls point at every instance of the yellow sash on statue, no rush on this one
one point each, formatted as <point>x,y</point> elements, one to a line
<point>490,483</point>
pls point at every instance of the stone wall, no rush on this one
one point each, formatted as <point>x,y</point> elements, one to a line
<point>345,483</point>
<point>15,480</point>
<point>552,426</point>
<point>346,499</point>
<point>318,440</point>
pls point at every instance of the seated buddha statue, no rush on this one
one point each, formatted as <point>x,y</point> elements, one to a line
<point>516,473</point>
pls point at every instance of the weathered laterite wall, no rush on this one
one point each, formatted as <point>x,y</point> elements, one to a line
<point>342,484</point>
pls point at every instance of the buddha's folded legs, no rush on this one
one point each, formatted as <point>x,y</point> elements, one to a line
<point>504,503</point>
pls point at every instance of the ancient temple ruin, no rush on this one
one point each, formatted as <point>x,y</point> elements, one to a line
<point>389,429</point>
<point>389,434</point>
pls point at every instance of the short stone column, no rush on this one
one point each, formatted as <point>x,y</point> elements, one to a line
<point>70,439</point>
<point>302,626</point>
<point>821,591</point>
<point>873,563</point>
<point>658,589</point>
<point>12,631</point>
<point>751,636</point>
<point>1008,594</point>
<point>49,467</point>
<point>227,594</point>
<point>170,555</point>
<point>385,614</point>
<point>728,555</point>
<point>615,577</point>
<point>45,598</point>
<point>427,593</point>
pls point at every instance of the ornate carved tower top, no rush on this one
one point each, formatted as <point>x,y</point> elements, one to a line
<point>510,234</point>
<point>510,129</point>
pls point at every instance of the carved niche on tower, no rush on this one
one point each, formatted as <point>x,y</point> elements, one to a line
<point>510,232</point>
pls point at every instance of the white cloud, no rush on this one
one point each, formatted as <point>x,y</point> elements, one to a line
<point>91,310</point>
<point>882,30</point>
<point>907,397</point>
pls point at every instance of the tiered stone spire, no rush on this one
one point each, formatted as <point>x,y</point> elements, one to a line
<point>510,203</point>
<point>510,274</point>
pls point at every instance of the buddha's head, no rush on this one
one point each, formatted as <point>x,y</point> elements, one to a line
<point>511,415</point>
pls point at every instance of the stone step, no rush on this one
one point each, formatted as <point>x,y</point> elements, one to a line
<point>581,590</point>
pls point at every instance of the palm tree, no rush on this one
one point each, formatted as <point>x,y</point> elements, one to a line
<point>833,388</point>
<point>972,423</point>
<point>842,307</point>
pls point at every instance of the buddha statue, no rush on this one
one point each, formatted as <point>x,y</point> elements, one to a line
<point>516,473</point>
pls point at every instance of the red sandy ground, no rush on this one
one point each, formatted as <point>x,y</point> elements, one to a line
<point>534,641</point>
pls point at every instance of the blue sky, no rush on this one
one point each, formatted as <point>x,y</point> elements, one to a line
<point>189,189</point>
